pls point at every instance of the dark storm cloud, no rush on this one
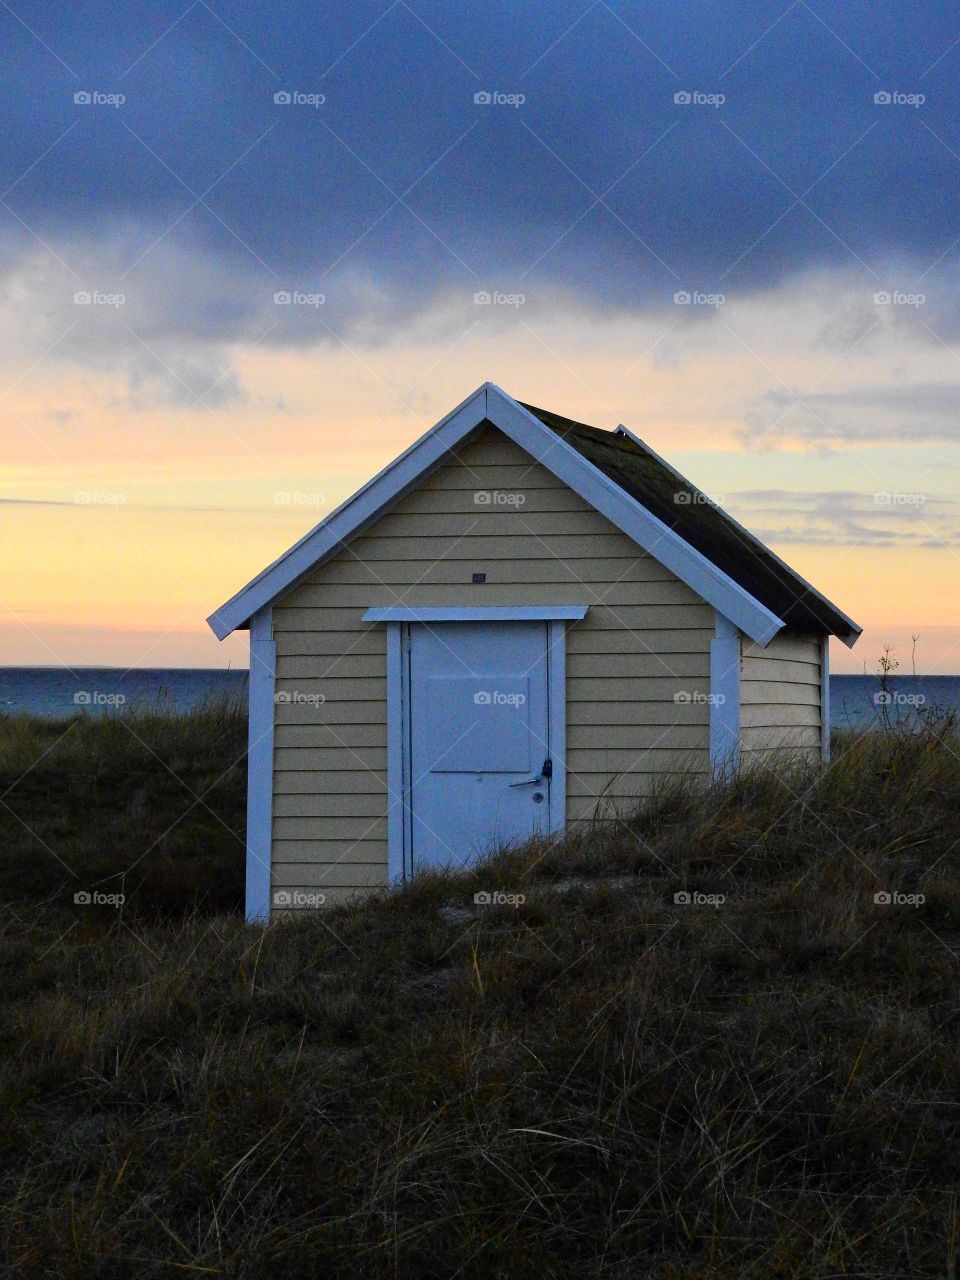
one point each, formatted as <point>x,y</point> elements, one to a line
<point>400,188</point>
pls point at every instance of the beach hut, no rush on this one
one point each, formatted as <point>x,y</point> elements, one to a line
<point>522,622</point>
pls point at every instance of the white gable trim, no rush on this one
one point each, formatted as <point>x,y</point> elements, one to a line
<point>649,532</point>
<point>552,452</point>
<point>855,630</point>
<point>359,511</point>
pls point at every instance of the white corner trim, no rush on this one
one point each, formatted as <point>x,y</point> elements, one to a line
<point>478,613</point>
<point>397,800</point>
<point>825,699</point>
<point>557,721</point>
<point>725,698</point>
<point>263,660</point>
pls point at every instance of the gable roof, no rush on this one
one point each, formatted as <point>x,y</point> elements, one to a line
<point>643,474</point>
<point>618,475</point>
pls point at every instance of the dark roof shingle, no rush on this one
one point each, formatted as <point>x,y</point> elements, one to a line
<point>685,509</point>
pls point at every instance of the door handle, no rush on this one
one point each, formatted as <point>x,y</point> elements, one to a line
<point>546,772</point>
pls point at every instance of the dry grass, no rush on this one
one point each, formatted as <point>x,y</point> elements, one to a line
<point>600,1081</point>
<point>151,806</point>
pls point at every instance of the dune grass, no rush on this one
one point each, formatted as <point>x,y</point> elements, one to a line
<point>601,1080</point>
<point>149,805</point>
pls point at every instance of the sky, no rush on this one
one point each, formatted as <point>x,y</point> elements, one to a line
<point>249,253</point>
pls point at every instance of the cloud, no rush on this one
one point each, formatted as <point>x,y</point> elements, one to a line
<point>918,412</point>
<point>195,336</point>
<point>165,333</point>
<point>883,519</point>
<point>384,208</point>
<point>599,185</point>
<point>84,502</point>
<point>33,502</point>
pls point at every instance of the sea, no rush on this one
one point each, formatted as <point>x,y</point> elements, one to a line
<point>58,692</point>
<point>856,702</point>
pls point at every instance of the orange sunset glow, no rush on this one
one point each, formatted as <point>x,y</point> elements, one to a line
<point>126,524</point>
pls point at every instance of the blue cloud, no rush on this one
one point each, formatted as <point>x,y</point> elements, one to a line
<point>599,182</point>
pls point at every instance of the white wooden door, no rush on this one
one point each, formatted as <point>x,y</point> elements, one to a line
<point>479,727</point>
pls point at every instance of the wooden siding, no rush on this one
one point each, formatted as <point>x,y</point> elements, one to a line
<point>780,695</point>
<point>645,639</point>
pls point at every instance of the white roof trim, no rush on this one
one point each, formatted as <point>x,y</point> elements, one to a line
<point>649,532</point>
<point>359,510</point>
<point>855,629</point>
<point>625,431</point>
<point>552,452</point>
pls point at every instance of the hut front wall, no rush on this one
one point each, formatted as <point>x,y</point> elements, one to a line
<point>645,640</point>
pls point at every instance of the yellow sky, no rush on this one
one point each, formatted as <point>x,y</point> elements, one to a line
<point>125,524</point>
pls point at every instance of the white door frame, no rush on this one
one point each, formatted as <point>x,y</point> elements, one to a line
<point>398,620</point>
